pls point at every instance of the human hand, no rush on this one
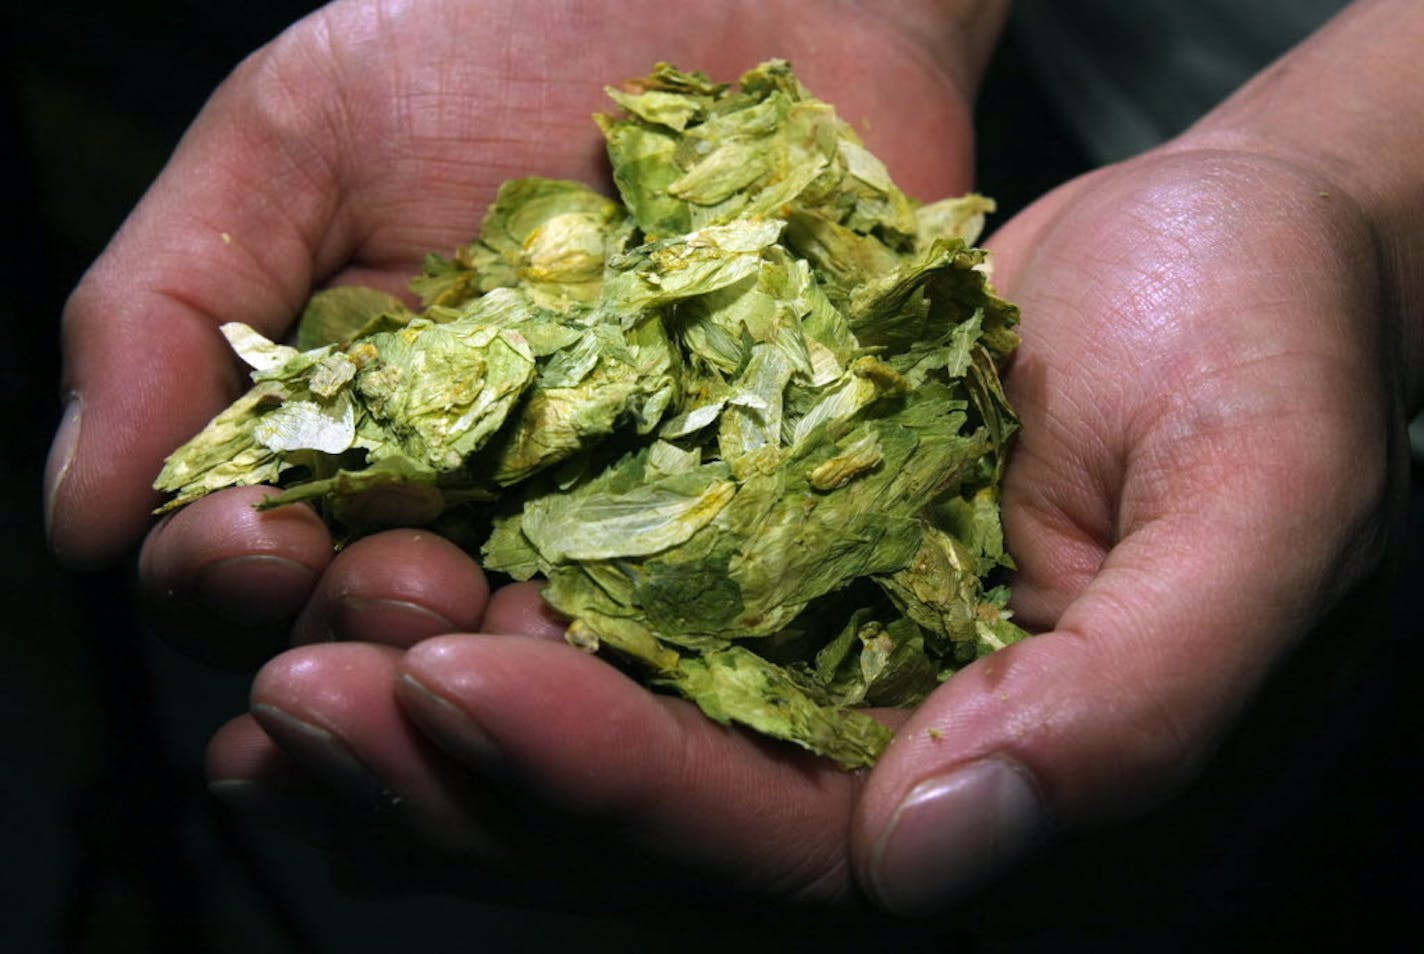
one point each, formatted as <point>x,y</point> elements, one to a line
<point>304,168</point>
<point>1212,449</point>
<point>372,133</point>
<point>1221,346</point>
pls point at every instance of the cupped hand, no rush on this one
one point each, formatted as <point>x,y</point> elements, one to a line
<point>1213,424</point>
<point>367,135</point>
<point>371,133</point>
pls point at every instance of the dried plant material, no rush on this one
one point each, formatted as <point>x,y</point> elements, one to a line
<point>747,422</point>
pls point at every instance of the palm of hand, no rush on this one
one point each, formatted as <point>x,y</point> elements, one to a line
<point>418,117</point>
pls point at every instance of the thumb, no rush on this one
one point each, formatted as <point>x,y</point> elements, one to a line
<point>1108,714</point>
<point>234,229</point>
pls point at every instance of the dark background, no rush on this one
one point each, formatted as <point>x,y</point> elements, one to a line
<point>1306,827</point>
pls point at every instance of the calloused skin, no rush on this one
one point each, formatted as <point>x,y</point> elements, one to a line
<point>1205,370</point>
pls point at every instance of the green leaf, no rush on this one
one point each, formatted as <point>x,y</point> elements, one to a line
<point>337,315</point>
<point>736,685</point>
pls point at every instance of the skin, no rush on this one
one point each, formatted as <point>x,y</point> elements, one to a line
<point>1219,346</point>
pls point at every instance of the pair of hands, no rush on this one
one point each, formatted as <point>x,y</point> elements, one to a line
<point>1208,386</point>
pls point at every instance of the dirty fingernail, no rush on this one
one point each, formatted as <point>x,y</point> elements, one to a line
<point>226,587</point>
<point>952,833</point>
<point>451,728</point>
<point>326,753</point>
<point>392,622</point>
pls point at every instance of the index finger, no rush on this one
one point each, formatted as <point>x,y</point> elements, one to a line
<point>226,233</point>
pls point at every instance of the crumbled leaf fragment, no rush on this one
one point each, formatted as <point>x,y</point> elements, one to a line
<point>745,419</point>
<point>737,685</point>
<point>339,315</point>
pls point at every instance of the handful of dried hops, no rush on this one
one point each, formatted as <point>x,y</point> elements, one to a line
<point>747,422</point>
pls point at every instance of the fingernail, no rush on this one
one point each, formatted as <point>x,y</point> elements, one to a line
<point>61,455</point>
<point>226,587</point>
<point>390,621</point>
<point>399,616</point>
<point>451,728</point>
<point>329,754</point>
<point>954,832</point>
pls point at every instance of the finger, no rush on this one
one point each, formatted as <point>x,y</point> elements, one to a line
<point>223,581</point>
<point>1146,669</point>
<point>1095,721</point>
<point>272,190</point>
<point>588,746</point>
<point>228,232</point>
<point>395,588</point>
<point>331,710</point>
<point>249,774</point>
<point>252,776</point>
<point>519,608</point>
